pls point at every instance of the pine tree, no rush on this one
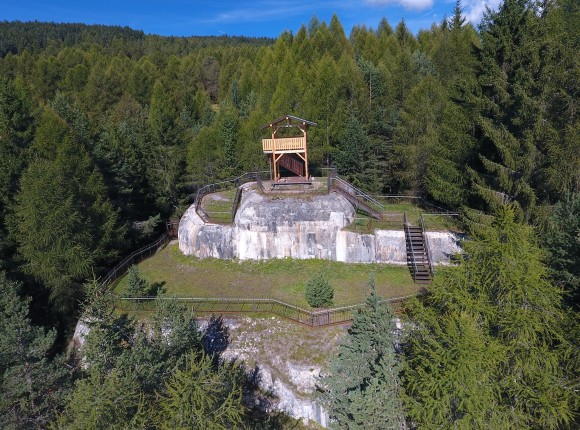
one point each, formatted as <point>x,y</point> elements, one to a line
<point>362,387</point>
<point>486,347</point>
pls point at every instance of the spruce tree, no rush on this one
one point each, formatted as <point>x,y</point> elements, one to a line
<point>506,106</point>
<point>137,286</point>
<point>486,347</point>
<point>561,238</point>
<point>319,293</point>
<point>33,382</point>
<point>362,384</point>
<point>354,158</point>
<point>16,133</point>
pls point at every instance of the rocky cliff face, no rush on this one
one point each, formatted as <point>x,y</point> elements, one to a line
<point>297,228</point>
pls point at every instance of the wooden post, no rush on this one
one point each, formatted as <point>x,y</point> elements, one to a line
<point>274,154</point>
<point>305,152</point>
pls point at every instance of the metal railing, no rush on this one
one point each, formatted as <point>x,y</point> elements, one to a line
<point>426,239</point>
<point>319,318</point>
<point>409,243</point>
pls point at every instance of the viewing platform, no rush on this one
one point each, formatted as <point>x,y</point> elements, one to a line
<point>287,145</point>
<point>285,149</point>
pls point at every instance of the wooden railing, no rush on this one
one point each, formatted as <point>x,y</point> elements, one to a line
<point>426,239</point>
<point>254,305</point>
<point>409,246</point>
<point>222,186</point>
<point>135,257</point>
<point>284,144</point>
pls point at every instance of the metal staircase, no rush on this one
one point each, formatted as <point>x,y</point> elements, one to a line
<point>417,253</point>
<point>291,164</point>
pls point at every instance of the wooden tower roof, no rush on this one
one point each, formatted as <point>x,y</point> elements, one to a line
<point>289,121</point>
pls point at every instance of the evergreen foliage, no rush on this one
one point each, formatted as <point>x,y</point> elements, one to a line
<point>562,241</point>
<point>137,286</point>
<point>33,381</point>
<point>486,348</point>
<point>319,293</point>
<point>105,127</point>
<point>362,387</point>
<point>66,225</point>
<point>198,396</point>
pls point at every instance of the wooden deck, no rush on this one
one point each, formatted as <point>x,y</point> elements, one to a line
<point>292,180</point>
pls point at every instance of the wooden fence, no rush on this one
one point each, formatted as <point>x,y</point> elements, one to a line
<point>135,257</point>
<point>223,305</point>
<point>223,186</point>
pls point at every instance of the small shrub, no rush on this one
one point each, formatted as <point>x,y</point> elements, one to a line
<point>319,293</point>
<point>137,285</point>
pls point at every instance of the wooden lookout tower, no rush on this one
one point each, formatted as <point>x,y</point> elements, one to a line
<point>288,149</point>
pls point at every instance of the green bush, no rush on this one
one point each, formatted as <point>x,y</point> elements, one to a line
<point>137,285</point>
<point>319,292</point>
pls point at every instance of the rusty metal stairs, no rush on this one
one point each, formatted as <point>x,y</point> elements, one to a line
<point>292,164</point>
<point>418,259</point>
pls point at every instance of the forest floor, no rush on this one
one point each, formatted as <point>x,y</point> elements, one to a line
<point>281,279</point>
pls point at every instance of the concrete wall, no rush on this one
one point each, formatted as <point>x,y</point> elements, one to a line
<point>267,228</point>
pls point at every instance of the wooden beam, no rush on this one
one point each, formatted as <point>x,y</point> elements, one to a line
<point>306,154</point>
<point>274,152</point>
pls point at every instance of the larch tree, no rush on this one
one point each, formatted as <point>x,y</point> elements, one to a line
<point>485,346</point>
<point>66,226</point>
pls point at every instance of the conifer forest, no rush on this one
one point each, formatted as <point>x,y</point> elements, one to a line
<point>106,133</point>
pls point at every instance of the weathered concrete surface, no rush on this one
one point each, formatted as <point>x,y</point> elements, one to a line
<point>300,228</point>
<point>443,245</point>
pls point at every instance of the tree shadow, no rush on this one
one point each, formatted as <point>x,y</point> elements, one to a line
<point>156,288</point>
<point>216,337</point>
<point>260,404</point>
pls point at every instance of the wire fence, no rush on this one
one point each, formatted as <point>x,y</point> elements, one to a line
<point>223,305</point>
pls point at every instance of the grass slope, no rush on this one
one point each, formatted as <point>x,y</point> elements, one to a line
<point>279,279</point>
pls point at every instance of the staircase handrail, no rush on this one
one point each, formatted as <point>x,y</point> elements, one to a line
<point>426,239</point>
<point>410,241</point>
<point>357,192</point>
